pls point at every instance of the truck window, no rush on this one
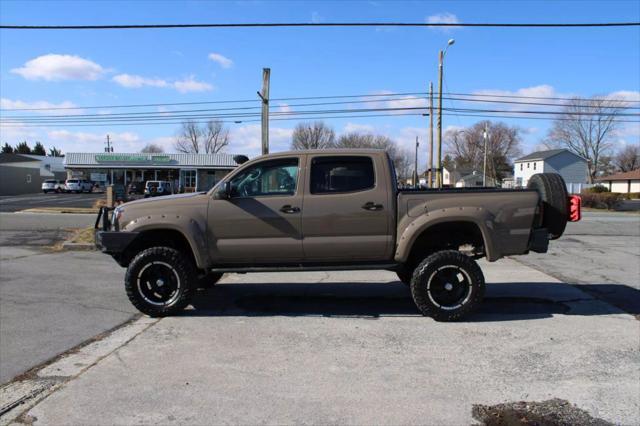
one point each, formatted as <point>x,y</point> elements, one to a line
<point>341,174</point>
<point>275,177</point>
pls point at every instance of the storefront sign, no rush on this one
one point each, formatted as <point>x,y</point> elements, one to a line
<point>132,158</point>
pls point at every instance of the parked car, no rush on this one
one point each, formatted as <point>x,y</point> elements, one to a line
<point>156,188</point>
<point>330,210</point>
<point>135,188</point>
<point>78,185</point>
<point>52,185</point>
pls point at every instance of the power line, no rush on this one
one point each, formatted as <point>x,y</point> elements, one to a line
<point>540,97</point>
<point>321,24</point>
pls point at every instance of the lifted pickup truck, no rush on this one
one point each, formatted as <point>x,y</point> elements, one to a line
<point>329,210</point>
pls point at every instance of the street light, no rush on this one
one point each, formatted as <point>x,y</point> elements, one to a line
<point>485,135</point>
<point>439,154</point>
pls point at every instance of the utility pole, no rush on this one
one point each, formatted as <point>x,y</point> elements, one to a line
<point>264,95</point>
<point>439,148</point>
<point>430,165</point>
<point>416,179</point>
<point>109,147</point>
<point>484,166</point>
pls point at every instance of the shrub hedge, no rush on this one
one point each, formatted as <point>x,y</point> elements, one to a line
<point>603,200</point>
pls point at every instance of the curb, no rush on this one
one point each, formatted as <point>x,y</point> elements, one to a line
<point>69,246</point>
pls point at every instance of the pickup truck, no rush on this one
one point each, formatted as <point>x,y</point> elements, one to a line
<point>330,210</point>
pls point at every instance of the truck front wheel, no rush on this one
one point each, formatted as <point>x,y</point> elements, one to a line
<point>160,281</point>
<point>447,285</point>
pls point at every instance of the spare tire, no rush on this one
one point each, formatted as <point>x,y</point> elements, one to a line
<point>555,202</point>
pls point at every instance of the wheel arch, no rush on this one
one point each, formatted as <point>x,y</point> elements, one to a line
<point>161,237</point>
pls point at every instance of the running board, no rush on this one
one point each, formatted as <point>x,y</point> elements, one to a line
<point>306,268</point>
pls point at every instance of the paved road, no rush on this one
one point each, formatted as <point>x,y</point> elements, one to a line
<point>349,348</point>
<point>50,302</point>
<point>12,203</point>
<point>39,229</point>
<point>601,254</point>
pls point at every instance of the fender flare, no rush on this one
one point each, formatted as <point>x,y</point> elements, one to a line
<point>478,216</point>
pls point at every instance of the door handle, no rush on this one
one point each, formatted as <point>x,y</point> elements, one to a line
<point>289,209</point>
<point>371,206</point>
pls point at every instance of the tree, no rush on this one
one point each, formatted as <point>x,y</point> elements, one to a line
<point>22,148</point>
<point>466,146</point>
<point>586,128</point>
<point>316,135</point>
<point>39,149</point>
<point>211,138</point>
<point>628,158</point>
<point>399,156</point>
<point>55,152</point>
<point>7,149</point>
<point>152,148</point>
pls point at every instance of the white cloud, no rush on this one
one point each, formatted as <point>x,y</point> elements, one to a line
<point>223,61</point>
<point>190,84</point>
<point>93,142</point>
<point>397,102</point>
<point>53,67</point>
<point>625,95</point>
<point>17,132</point>
<point>443,18</point>
<point>247,139</point>
<point>316,18</point>
<point>358,128</point>
<point>40,106</point>
<point>136,81</point>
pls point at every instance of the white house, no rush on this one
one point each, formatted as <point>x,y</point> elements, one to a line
<point>572,167</point>
<point>622,182</point>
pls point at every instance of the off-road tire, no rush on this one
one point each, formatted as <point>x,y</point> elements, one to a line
<point>178,263</point>
<point>441,261</point>
<point>555,202</point>
<point>209,279</point>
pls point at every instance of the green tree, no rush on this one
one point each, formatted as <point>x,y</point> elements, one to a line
<point>39,149</point>
<point>22,148</point>
<point>55,152</point>
<point>7,149</point>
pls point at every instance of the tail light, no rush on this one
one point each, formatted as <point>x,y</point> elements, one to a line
<point>575,208</point>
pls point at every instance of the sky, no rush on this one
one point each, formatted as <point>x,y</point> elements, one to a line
<point>119,67</point>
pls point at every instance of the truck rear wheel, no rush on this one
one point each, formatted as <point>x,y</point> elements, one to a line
<point>160,281</point>
<point>555,202</point>
<point>447,285</point>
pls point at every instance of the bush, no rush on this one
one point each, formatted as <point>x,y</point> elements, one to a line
<point>598,189</point>
<point>632,195</point>
<point>606,200</point>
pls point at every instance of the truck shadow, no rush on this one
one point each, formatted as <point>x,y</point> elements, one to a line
<point>503,302</point>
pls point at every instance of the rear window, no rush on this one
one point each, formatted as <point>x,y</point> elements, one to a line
<point>341,174</point>
<point>50,181</point>
<point>72,181</point>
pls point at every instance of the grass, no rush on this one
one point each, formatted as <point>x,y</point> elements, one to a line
<point>80,210</point>
<point>84,235</point>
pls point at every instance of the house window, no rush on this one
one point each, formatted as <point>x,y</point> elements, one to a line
<point>189,178</point>
<point>528,164</point>
<point>28,178</point>
<point>534,166</point>
<point>521,166</point>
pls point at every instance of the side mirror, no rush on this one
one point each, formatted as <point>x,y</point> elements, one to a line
<point>226,190</point>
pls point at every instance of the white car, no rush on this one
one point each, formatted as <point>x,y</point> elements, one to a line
<point>78,185</point>
<point>52,185</point>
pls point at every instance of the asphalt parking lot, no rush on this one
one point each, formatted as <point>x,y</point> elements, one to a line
<point>13,203</point>
<point>339,347</point>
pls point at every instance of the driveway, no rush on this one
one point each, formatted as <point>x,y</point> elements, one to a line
<point>13,203</point>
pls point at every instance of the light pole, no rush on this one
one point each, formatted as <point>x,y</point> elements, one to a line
<point>439,151</point>
<point>415,170</point>
<point>485,134</point>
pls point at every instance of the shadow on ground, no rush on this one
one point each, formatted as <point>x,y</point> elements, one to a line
<point>504,302</point>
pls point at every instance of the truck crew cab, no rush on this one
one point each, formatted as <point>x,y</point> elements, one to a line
<point>329,210</point>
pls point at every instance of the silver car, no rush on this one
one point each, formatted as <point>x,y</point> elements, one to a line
<point>78,185</point>
<point>52,185</point>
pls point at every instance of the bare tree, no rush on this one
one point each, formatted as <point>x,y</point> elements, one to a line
<point>209,139</point>
<point>628,158</point>
<point>403,164</point>
<point>316,135</point>
<point>586,128</point>
<point>466,146</point>
<point>369,140</point>
<point>152,148</point>
<point>216,137</point>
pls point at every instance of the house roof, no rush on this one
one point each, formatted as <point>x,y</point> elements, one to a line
<point>120,160</point>
<point>632,175</point>
<point>543,155</point>
<point>17,158</point>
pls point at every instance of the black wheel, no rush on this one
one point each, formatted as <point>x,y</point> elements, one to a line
<point>209,279</point>
<point>447,285</point>
<point>555,202</point>
<point>160,281</point>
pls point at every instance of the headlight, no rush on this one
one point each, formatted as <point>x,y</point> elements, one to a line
<point>115,217</point>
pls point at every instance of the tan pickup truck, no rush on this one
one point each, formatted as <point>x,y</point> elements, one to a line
<point>329,210</point>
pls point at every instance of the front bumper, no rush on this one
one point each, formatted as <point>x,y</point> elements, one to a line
<point>110,241</point>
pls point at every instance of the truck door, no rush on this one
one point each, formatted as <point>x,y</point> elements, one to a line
<point>346,211</point>
<point>261,221</point>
